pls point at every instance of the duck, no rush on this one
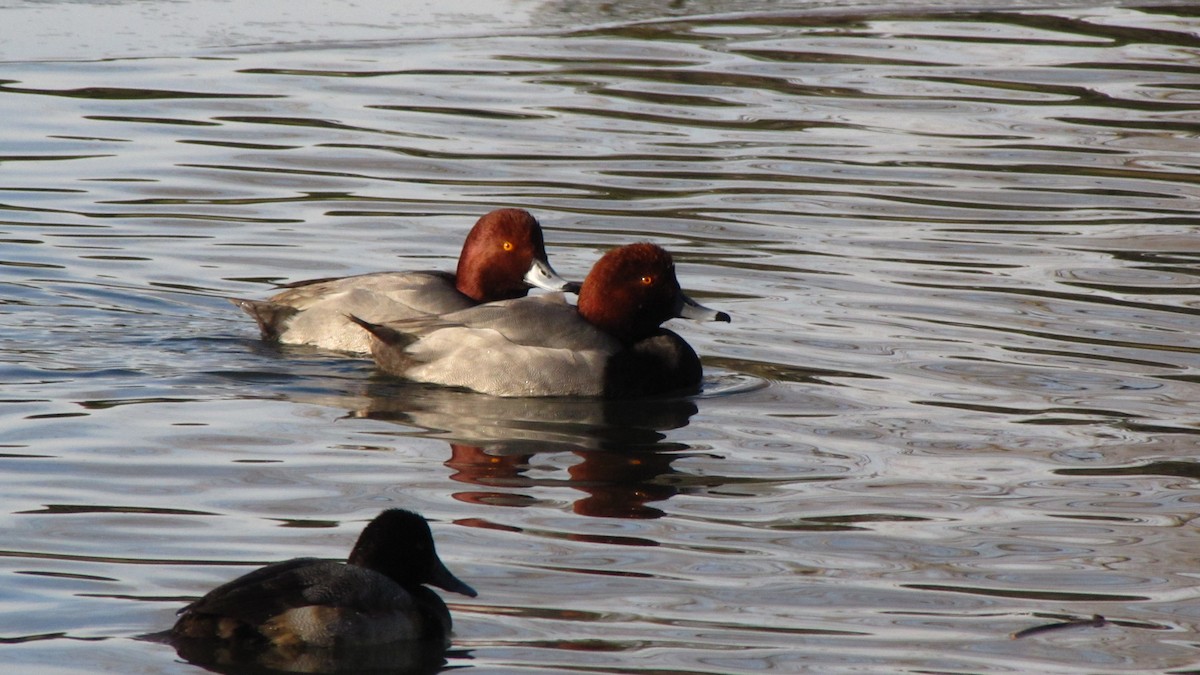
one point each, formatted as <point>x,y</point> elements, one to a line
<point>610,344</point>
<point>377,596</point>
<point>503,256</point>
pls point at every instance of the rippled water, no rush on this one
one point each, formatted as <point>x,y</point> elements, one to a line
<point>958,398</point>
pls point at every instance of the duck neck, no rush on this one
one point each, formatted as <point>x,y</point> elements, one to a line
<point>603,316</point>
<point>482,283</point>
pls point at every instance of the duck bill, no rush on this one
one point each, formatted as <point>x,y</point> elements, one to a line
<point>443,579</point>
<point>542,275</point>
<point>687,308</point>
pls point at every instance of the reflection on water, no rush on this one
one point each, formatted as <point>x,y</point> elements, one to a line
<point>399,658</point>
<point>621,453</point>
<point>957,402</point>
<point>527,425</point>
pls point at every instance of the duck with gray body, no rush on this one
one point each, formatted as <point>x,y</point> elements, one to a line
<point>503,256</point>
<point>610,345</point>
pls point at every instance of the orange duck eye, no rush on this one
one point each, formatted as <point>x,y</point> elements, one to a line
<point>647,280</point>
<point>507,246</point>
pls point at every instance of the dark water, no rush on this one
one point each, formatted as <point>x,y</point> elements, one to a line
<point>958,398</point>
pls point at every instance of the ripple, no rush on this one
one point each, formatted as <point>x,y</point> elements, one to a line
<point>955,402</point>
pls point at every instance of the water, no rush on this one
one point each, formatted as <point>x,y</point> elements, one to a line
<point>957,399</point>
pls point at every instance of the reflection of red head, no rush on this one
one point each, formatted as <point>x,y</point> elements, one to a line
<point>618,484</point>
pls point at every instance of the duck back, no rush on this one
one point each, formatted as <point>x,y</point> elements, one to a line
<point>533,346</point>
<point>315,312</point>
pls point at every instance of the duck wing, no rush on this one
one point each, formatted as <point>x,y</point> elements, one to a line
<point>266,592</point>
<point>536,346</point>
<point>425,292</point>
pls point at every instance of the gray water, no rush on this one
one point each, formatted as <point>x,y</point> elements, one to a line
<point>957,399</point>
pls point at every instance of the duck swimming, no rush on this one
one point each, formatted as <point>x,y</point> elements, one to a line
<point>610,345</point>
<point>503,256</point>
<point>376,597</point>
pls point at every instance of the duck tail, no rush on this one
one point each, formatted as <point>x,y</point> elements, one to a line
<point>272,317</point>
<point>387,346</point>
<point>385,334</point>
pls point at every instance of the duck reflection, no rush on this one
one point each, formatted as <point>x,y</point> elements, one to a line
<point>624,461</point>
<point>395,658</point>
<point>618,485</point>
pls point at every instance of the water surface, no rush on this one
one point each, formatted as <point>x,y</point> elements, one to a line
<point>957,399</point>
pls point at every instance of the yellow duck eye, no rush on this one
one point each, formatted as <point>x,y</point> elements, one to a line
<point>507,246</point>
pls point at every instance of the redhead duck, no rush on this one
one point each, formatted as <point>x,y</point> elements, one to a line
<point>610,345</point>
<point>376,597</point>
<point>502,257</point>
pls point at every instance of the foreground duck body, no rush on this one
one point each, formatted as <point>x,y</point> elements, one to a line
<point>610,345</point>
<point>503,256</point>
<point>376,597</point>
